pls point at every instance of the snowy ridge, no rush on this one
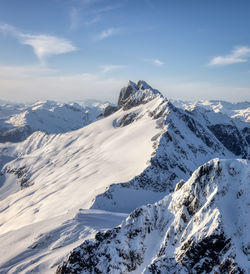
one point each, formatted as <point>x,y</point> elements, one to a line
<point>239,110</point>
<point>201,228</point>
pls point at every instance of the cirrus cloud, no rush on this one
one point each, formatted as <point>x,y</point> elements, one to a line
<point>106,33</point>
<point>154,62</point>
<point>43,45</point>
<point>238,55</point>
<point>108,68</point>
<point>46,45</point>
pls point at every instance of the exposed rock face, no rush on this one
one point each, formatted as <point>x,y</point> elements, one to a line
<point>22,174</point>
<point>232,139</point>
<point>14,135</point>
<point>109,110</point>
<point>203,227</point>
<point>135,94</point>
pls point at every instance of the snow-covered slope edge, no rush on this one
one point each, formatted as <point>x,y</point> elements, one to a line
<point>202,227</point>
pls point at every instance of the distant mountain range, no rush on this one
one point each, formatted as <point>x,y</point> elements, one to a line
<point>234,110</point>
<point>17,122</point>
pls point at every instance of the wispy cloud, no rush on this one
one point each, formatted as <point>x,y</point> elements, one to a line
<point>154,62</point>
<point>86,13</point>
<point>158,62</point>
<point>238,55</point>
<point>74,18</point>
<point>79,19</point>
<point>43,45</point>
<point>92,21</point>
<point>106,33</point>
<point>108,68</point>
<point>9,30</point>
<point>46,45</point>
<point>108,8</point>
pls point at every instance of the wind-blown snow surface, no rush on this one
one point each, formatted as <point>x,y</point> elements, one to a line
<point>133,157</point>
<point>203,227</point>
<point>41,246</point>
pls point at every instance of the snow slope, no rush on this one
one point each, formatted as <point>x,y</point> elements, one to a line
<point>41,246</point>
<point>203,227</point>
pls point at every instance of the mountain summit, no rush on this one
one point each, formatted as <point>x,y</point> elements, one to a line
<point>135,94</point>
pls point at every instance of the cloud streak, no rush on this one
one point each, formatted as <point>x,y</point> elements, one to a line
<point>74,18</point>
<point>108,68</point>
<point>47,45</point>
<point>106,33</point>
<point>43,45</point>
<point>154,62</point>
<point>238,55</point>
<point>158,62</point>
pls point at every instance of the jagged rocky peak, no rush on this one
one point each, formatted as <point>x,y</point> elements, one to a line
<point>135,94</point>
<point>202,227</point>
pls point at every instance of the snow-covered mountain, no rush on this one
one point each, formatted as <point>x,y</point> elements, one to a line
<point>17,122</point>
<point>202,227</point>
<point>239,110</point>
<point>46,179</point>
<point>187,140</point>
<point>135,155</point>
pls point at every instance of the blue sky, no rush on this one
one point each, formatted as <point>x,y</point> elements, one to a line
<point>76,49</point>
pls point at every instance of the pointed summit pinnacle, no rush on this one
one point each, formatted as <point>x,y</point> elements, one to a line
<point>135,94</point>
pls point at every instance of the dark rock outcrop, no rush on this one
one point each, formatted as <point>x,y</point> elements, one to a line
<point>135,94</point>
